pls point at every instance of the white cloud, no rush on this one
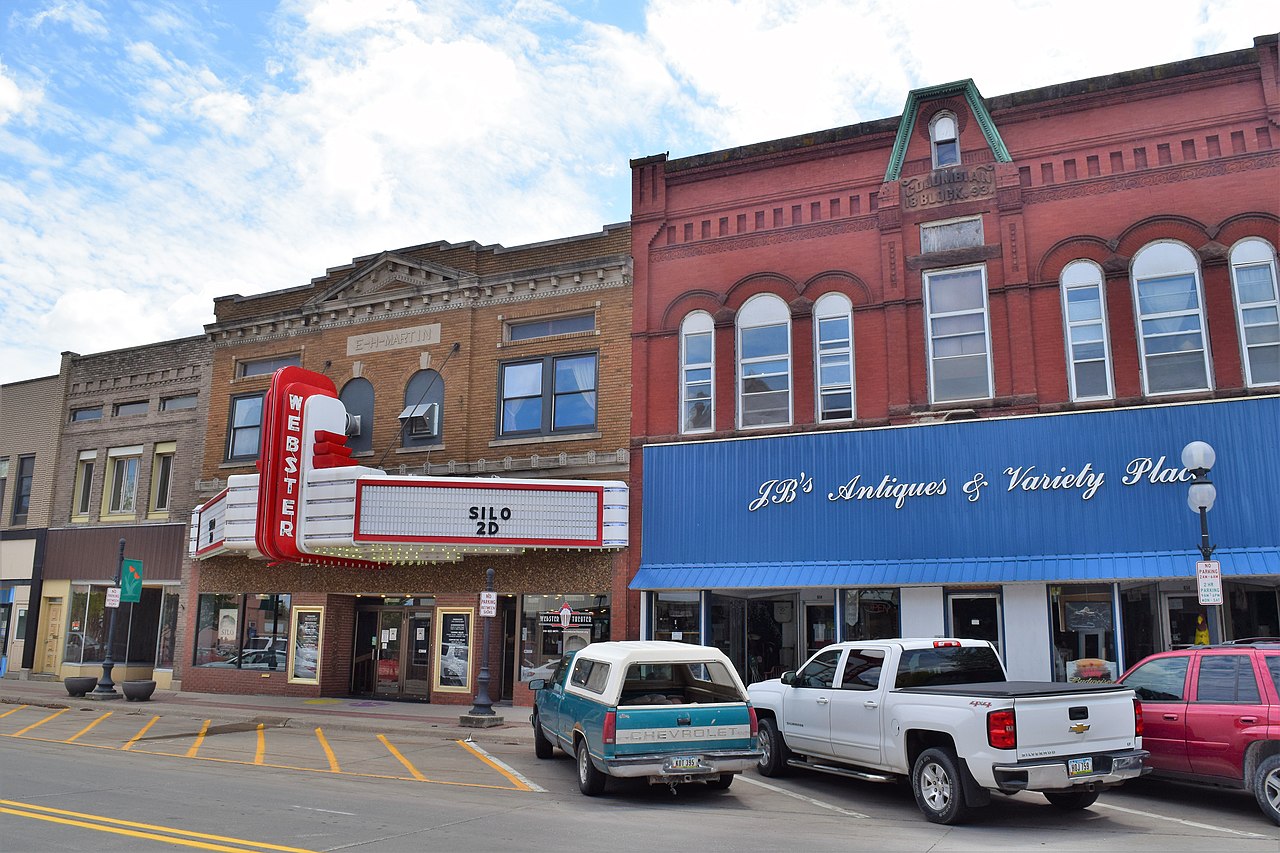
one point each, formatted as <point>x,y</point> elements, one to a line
<point>13,98</point>
<point>78,16</point>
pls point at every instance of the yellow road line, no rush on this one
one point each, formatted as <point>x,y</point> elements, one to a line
<point>140,733</point>
<point>328,752</point>
<point>86,728</point>
<point>514,780</point>
<point>14,711</point>
<point>262,745</point>
<point>41,723</point>
<point>403,760</point>
<point>67,817</point>
<point>195,747</point>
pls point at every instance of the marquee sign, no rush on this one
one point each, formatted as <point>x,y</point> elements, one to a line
<point>311,503</point>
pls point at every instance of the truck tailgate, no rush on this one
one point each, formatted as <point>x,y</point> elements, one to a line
<point>681,728</point>
<point>1074,723</point>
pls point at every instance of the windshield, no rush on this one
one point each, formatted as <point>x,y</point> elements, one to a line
<point>948,665</point>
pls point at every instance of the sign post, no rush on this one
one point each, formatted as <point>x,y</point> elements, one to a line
<point>1209,581</point>
<point>106,688</point>
<point>482,714</point>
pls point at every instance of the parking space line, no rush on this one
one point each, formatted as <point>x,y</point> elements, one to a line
<point>1182,821</point>
<point>195,747</point>
<point>328,751</point>
<point>73,738</point>
<point>14,711</point>
<point>417,775</point>
<point>510,772</point>
<point>262,744</point>
<point>140,733</point>
<point>810,800</point>
<point>41,722</point>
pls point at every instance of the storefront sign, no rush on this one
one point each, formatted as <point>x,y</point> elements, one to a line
<point>304,653</point>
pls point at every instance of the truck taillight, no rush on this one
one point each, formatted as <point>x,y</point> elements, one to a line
<point>611,727</point>
<point>1137,718</point>
<point>755,724</point>
<point>1002,730</point>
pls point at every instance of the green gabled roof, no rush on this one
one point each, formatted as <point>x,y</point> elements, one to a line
<point>908,123</point>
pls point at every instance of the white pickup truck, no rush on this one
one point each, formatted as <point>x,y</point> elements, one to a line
<point>942,713</point>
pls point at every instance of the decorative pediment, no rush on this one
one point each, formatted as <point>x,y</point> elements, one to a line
<point>952,95</point>
<point>385,274</point>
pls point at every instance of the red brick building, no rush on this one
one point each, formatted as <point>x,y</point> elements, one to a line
<point>1093,245</point>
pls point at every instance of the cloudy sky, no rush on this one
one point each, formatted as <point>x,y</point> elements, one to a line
<point>155,154</point>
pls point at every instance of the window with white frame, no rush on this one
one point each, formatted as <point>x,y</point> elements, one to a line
<point>267,366</point>
<point>1084,313</point>
<point>523,330</point>
<point>84,482</point>
<point>162,475</point>
<point>959,334</point>
<point>764,362</point>
<point>122,483</point>
<point>833,357</point>
<point>944,140</point>
<point>1170,313</point>
<point>1253,274</point>
<point>697,369</point>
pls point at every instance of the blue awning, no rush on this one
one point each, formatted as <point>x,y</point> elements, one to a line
<point>990,570</point>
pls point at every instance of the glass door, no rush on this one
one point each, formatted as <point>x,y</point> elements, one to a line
<point>1186,623</point>
<point>820,627</point>
<point>976,616</point>
<point>387,683</point>
<point>417,657</point>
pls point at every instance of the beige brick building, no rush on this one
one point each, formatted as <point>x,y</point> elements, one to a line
<point>454,360</point>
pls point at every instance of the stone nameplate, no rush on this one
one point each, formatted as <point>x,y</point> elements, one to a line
<point>415,336</point>
<point>947,186</point>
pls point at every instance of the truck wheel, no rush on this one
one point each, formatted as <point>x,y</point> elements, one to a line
<point>542,746</point>
<point>721,782</point>
<point>773,761</point>
<point>1266,787</point>
<point>590,780</point>
<point>935,780</point>
<point>1073,800</point>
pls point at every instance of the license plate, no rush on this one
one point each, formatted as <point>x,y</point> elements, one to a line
<point>1079,766</point>
<point>683,762</point>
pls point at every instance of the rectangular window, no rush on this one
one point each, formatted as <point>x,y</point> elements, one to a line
<point>523,330</point>
<point>88,413</point>
<point>88,623</point>
<point>1172,334</point>
<point>84,482</point>
<point>1084,633</point>
<point>959,336</point>
<point>1259,317</point>
<point>697,403</point>
<point>1086,329</point>
<point>122,468</point>
<point>168,633</point>
<point>957,234</point>
<point>243,631</point>
<point>244,432</point>
<point>835,369</point>
<point>4,479</point>
<point>677,617</point>
<point>179,403</point>
<point>555,624</point>
<point>22,488</point>
<point>871,614</point>
<point>267,366</point>
<point>162,475</point>
<point>546,396</point>
<point>133,407</point>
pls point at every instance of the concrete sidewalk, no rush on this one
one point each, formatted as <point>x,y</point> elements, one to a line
<point>351,713</point>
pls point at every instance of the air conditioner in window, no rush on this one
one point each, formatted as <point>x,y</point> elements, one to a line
<point>423,420</point>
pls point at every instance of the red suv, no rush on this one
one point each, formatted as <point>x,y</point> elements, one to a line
<point>1212,714</point>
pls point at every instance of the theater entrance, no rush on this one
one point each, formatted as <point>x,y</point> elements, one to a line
<point>392,654</point>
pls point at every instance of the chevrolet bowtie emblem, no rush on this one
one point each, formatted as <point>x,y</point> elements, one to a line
<point>1079,728</point>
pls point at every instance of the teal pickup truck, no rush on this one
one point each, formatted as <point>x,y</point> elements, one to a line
<point>671,713</point>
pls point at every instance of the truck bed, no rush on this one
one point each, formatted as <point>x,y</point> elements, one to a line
<point>1013,689</point>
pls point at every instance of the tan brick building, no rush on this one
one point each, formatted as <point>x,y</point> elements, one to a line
<point>453,360</point>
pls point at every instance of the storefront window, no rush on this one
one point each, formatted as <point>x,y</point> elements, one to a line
<point>243,631</point>
<point>552,625</point>
<point>1084,634</point>
<point>676,616</point>
<point>168,630</point>
<point>134,641</point>
<point>871,614</point>
<point>1253,610</point>
<point>1139,618</point>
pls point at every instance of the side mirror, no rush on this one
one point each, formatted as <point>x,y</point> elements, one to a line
<point>537,684</point>
<point>789,676</point>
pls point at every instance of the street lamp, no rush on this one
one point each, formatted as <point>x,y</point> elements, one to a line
<point>1198,457</point>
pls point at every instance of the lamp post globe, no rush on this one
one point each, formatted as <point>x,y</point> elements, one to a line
<point>1198,456</point>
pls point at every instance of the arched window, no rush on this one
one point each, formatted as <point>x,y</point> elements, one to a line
<point>944,140</point>
<point>1084,314</point>
<point>422,417</point>
<point>1170,313</point>
<point>357,397</point>
<point>1253,276</point>
<point>764,362</point>
<point>697,369</point>
<point>833,357</point>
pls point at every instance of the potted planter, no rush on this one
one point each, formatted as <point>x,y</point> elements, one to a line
<point>138,691</point>
<point>78,685</point>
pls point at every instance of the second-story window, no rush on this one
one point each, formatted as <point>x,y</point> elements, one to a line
<point>84,483</point>
<point>162,475</point>
<point>267,366</point>
<point>1084,313</point>
<point>88,413</point>
<point>523,330</point>
<point>546,396</point>
<point>959,338</point>
<point>833,340</point>
<point>421,418</point>
<point>697,366</point>
<point>357,399</point>
<point>944,140</point>
<point>122,484</point>
<point>764,362</point>
<point>133,407</point>
<point>1171,332</point>
<point>244,433</point>
<point>24,475</point>
<point>1253,270</point>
